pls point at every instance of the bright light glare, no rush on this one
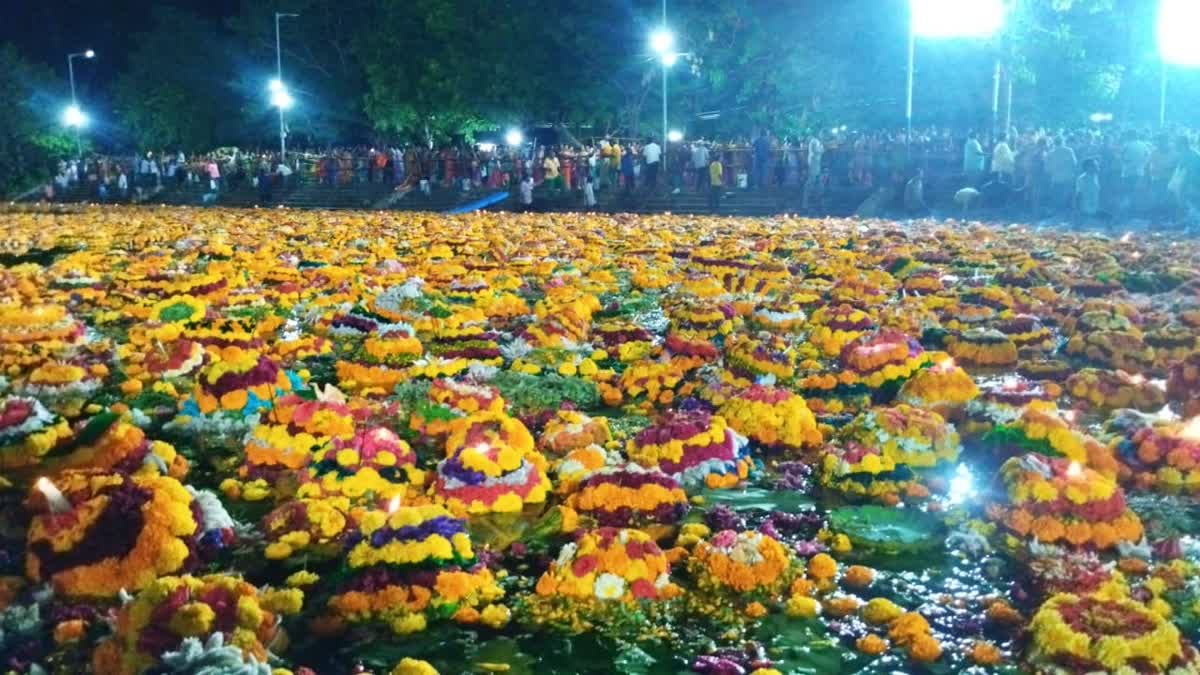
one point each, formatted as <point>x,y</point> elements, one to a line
<point>956,18</point>
<point>1177,21</point>
<point>1099,117</point>
<point>74,117</point>
<point>674,135</point>
<point>280,98</point>
<point>962,486</point>
<point>275,84</point>
<point>514,137</point>
<point>89,54</point>
<point>669,59</point>
<point>661,41</point>
<point>487,147</point>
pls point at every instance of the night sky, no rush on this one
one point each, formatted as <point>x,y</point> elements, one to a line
<point>45,31</point>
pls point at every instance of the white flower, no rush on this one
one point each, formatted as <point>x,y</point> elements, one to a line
<point>566,554</point>
<point>662,581</point>
<point>515,349</point>
<point>609,587</point>
<point>212,512</point>
<point>482,371</point>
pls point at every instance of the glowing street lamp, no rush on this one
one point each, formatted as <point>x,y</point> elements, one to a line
<point>949,19</point>
<point>514,137</point>
<point>662,41</point>
<point>73,116</point>
<point>1176,43</point>
<point>674,135</point>
<point>280,98</point>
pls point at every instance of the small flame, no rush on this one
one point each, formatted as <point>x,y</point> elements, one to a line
<point>1075,470</point>
<point>393,505</point>
<point>54,497</point>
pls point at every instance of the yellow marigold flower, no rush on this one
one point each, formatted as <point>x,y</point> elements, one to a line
<point>803,607</point>
<point>302,578</point>
<point>495,616</point>
<point>409,666</point>
<point>283,601</point>
<point>822,566</point>
<point>249,614</point>
<point>193,619</point>
<point>871,644</point>
<point>277,551</point>
<point>408,623</point>
<point>880,611</point>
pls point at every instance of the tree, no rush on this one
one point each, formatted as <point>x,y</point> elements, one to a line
<point>31,140</point>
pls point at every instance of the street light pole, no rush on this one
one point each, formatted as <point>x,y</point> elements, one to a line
<point>74,102</point>
<point>908,105</point>
<point>1162,98</point>
<point>279,78</point>
<point>663,157</point>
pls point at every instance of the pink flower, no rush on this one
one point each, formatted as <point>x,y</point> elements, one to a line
<point>724,539</point>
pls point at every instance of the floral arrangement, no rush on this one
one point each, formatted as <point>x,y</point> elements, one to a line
<point>695,447</point>
<point>173,610</point>
<point>492,466</point>
<point>1040,427</point>
<point>1123,350</point>
<point>1165,458</point>
<point>1058,500</point>
<point>239,382</point>
<point>372,465</point>
<point>95,533</point>
<point>877,454</point>
<point>743,563</point>
<point>571,430</point>
<point>607,580</point>
<point>1110,390</point>
<point>415,564</point>
<point>885,358</point>
<point>983,347</point>
<point>657,381</point>
<point>28,431</point>
<point>1027,332</point>
<point>773,418</point>
<point>1094,633</point>
<point>764,356</point>
<point>61,387</point>
<point>109,442</point>
<point>835,326</point>
<point>630,496</point>
<point>944,388</point>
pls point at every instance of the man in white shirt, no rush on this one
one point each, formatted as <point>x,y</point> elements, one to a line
<point>652,153</point>
<point>1004,162</point>
<point>527,192</point>
<point>1135,156</point>
<point>1087,191</point>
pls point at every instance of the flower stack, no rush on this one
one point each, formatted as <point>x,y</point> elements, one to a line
<point>491,466</point>
<point>944,388</point>
<point>95,533</point>
<point>28,431</point>
<point>172,611</point>
<point>885,359</point>
<point>1059,501</point>
<point>773,418</point>
<point>1113,389</point>
<point>695,447</point>
<point>238,383</point>
<point>763,356</point>
<point>630,496</point>
<point>1183,385</point>
<point>879,454</point>
<point>61,387</point>
<point>1164,458</point>
<point>374,464</point>
<point>571,430</point>
<point>1027,332</point>
<point>1040,427</point>
<point>413,564</point>
<point>603,574</point>
<point>982,347</point>
<point>1110,340</point>
<point>835,326</point>
<point>743,565</point>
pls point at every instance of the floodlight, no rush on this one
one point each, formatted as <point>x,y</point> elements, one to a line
<point>674,135</point>
<point>74,117</point>
<point>514,137</point>
<point>956,18</point>
<point>1177,21</point>
<point>661,41</point>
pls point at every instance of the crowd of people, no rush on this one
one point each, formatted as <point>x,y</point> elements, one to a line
<point>1091,173</point>
<point>134,178</point>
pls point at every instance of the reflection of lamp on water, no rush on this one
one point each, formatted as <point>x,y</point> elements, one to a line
<point>54,497</point>
<point>962,486</point>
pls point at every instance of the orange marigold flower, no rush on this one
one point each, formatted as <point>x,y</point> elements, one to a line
<point>871,644</point>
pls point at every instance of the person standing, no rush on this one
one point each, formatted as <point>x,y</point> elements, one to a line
<point>973,159</point>
<point>1135,155</point>
<point>1004,162</point>
<point>652,154</point>
<point>762,160</point>
<point>1087,192</point>
<point>628,176</point>
<point>551,166</point>
<point>1185,184</point>
<point>589,193</point>
<point>716,183</point>
<point>1061,166</point>
<point>700,164</point>
<point>527,193</point>
<point>816,153</point>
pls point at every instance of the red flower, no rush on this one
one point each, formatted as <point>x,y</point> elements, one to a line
<point>583,566</point>
<point>643,590</point>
